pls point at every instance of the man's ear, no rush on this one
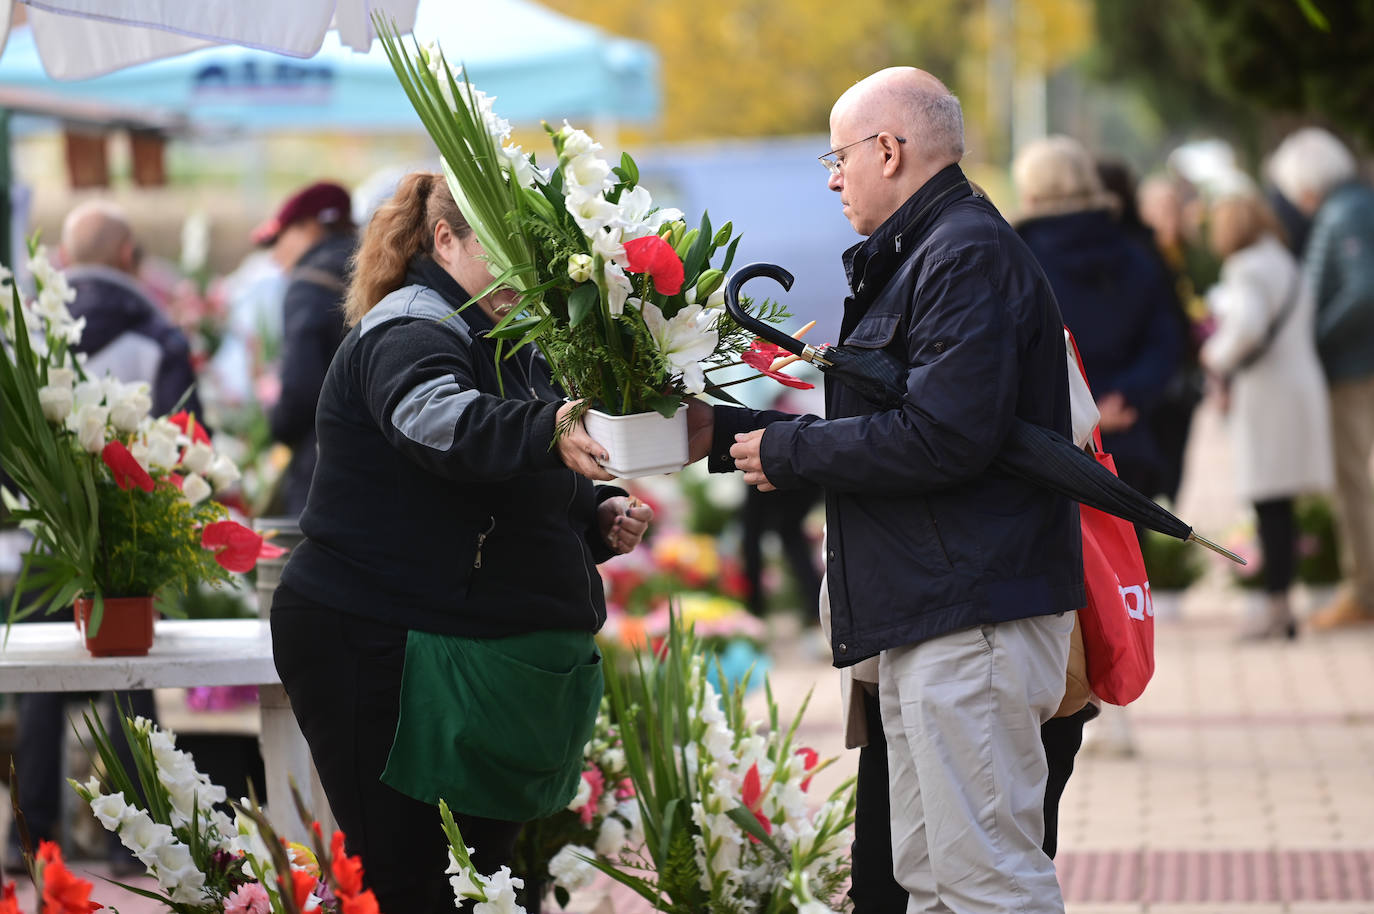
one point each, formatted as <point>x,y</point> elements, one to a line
<point>892,154</point>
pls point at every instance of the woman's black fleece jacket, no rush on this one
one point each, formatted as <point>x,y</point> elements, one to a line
<point>438,503</point>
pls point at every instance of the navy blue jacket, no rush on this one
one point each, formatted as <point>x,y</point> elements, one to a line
<point>924,536</point>
<point>1117,298</point>
<point>438,503</point>
<point>312,328</point>
<point>127,336</point>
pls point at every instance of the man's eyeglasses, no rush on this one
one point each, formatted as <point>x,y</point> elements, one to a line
<point>831,160</point>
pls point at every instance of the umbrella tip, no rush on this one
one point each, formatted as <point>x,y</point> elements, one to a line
<point>1219,550</point>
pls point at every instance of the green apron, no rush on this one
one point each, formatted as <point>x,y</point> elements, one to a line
<point>495,726</point>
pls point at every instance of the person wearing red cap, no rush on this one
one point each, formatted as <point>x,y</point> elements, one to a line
<point>312,237</point>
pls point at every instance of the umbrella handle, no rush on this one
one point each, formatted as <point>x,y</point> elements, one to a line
<point>1219,550</point>
<point>768,332</point>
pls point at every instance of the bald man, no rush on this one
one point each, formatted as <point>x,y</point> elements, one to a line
<point>126,335</point>
<point>959,580</point>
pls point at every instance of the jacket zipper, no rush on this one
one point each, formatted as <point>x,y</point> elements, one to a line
<point>481,539</point>
<point>935,527</point>
<point>582,546</point>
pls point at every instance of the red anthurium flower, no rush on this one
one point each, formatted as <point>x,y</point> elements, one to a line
<point>364,903</point>
<point>176,479</point>
<point>63,893</point>
<point>652,255</point>
<point>761,356</point>
<point>189,426</point>
<point>809,759</point>
<point>753,798</point>
<point>348,871</point>
<point>126,470</point>
<point>236,547</point>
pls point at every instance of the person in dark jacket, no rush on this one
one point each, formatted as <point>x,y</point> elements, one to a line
<point>960,579</point>
<point>1317,172</point>
<point>434,631</point>
<point>312,238</point>
<point>1114,294</point>
<point>127,337</point>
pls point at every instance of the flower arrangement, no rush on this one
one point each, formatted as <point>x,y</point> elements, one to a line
<point>205,862</point>
<point>118,501</point>
<point>622,298</point>
<point>727,818</point>
<point>602,819</point>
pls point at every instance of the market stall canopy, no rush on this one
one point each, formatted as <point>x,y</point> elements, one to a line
<point>79,39</point>
<point>537,63</point>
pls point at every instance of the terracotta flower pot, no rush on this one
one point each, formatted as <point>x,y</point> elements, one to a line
<point>126,626</point>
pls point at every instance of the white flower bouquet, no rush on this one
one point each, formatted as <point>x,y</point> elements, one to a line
<point>166,813</point>
<point>619,294</point>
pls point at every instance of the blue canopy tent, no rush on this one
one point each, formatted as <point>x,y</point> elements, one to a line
<point>538,64</point>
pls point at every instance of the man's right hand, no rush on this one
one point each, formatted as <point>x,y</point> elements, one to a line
<point>701,425</point>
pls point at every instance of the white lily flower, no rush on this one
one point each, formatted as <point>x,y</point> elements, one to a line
<point>195,488</point>
<point>607,244</point>
<point>684,342</point>
<point>618,289</point>
<point>636,220</point>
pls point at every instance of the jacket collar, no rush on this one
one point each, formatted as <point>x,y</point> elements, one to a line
<point>424,270</point>
<point>870,264</point>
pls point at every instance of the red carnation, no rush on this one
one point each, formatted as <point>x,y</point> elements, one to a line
<point>127,471</point>
<point>652,255</point>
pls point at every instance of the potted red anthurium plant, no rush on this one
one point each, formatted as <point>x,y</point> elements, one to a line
<point>619,295</point>
<point>118,502</point>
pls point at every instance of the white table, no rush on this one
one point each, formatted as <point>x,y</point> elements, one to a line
<point>52,657</point>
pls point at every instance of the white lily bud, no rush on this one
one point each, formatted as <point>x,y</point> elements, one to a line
<point>56,401</point>
<point>198,457</point>
<point>580,267</point>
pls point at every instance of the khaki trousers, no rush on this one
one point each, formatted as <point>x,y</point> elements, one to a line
<point>966,766</point>
<point>1352,440</point>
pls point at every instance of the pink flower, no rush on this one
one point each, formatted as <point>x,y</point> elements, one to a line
<point>248,899</point>
<point>597,781</point>
<point>625,789</point>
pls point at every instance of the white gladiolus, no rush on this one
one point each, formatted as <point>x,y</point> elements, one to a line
<point>161,438</point>
<point>590,211</point>
<point>223,473</point>
<point>569,870</point>
<point>611,839</point>
<point>111,810</point>
<point>89,424</point>
<point>195,488</point>
<point>577,142</point>
<point>198,457</point>
<point>144,837</point>
<point>56,401</point>
<point>584,794</point>
<point>628,810</point>
<point>580,267</point>
<point>88,393</point>
<point>500,891</point>
<point>129,407</point>
<point>606,244</point>
<point>518,164</point>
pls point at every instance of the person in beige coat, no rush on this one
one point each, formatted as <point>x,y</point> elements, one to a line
<point>1269,379</point>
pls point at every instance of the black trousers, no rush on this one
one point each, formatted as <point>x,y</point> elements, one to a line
<point>343,676</point>
<point>873,889</point>
<point>784,513</point>
<point>1278,536</point>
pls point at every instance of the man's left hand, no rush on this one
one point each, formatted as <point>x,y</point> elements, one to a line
<point>745,450</point>
<point>623,522</point>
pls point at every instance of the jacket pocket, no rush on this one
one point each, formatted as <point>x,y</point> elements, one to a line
<point>875,331</point>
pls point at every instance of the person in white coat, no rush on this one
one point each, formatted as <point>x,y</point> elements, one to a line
<point>1264,359</point>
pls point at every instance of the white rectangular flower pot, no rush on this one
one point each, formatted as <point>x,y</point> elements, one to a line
<point>641,444</point>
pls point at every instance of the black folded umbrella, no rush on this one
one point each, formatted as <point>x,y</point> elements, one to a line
<point>1032,452</point>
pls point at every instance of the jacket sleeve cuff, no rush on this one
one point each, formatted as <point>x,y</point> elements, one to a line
<point>775,453</point>
<point>595,542</point>
<point>728,421</point>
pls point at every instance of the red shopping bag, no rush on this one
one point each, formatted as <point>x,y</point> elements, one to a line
<point>1118,622</point>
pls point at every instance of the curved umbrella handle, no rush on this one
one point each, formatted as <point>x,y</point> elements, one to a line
<point>766,331</point>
